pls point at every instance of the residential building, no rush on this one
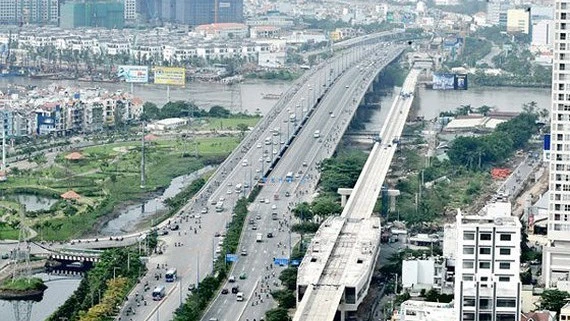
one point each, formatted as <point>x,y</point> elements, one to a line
<point>426,274</point>
<point>565,312</point>
<point>130,9</point>
<point>424,311</point>
<point>556,255</point>
<point>487,283</point>
<point>518,20</point>
<point>108,14</point>
<point>199,12</point>
<point>543,33</point>
<point>223,30</point>
<point>29,12</point>
<point>494,10</point>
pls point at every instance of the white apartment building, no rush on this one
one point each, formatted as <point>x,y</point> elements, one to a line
<point>424,311</point>
<point>487,283</point>
<point>556,256</point>
<point>130,9</point>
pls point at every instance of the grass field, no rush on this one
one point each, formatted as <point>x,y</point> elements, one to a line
<point>108,176</point>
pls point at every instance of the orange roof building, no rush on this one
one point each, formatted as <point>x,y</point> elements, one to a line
<point>74,156</point>
<point>70,195</point>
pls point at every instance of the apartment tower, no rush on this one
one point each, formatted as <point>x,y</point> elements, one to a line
<point>487,266</point>
<point>556,255</point>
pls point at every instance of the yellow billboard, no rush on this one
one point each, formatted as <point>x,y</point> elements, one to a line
<point>170,76</point>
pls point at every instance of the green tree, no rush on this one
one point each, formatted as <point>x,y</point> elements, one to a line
<point>286,298</point>
<point>553,300</point>
<point>289,278</point>
<point>277,314</point>
<point>242,129</point>
<point>150,111</point>
<point>324,207</point>
<point>303,211</point>
<point>219,112</point>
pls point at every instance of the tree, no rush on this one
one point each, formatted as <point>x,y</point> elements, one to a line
<point>277,314</point>
<point>324,207</point>
<point>553,300</point>
<point>242,129</point>
<point>289,278</point>
<point>150,111</point>
<point>219,112</point>
<point>303,211</point>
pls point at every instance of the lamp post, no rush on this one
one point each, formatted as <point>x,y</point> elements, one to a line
<point>114,272</point>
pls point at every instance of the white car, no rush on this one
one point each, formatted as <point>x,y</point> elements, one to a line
<point>266,201</point>
<point>258,145</point>
<point>229,191</point>
<point>273,207</point>
<point>275,151</point>
<point>332,115</point>
<point>222,199</point>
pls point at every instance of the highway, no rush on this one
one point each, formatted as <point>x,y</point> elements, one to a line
<point>331,118</point>
<point>355,235</point>
<point>191,249</point>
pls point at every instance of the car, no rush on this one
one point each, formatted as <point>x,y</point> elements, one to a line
<point>213,202</point>
<point>346,86</point>
<point>254,227</point>
<point>305,164</point>
<point>235,289</point>
<point>217,234</point>
<point>225,291</point>
<point>282,142</point>
<point>221,199</point>
<point>297,175</point>
<point>232,279</point>
<point>258,145</point>
<point>262,200</point>
<point>275,151</point>
<point>269,235</point>
<point>266,201</point>
<point>243,276</point>
<point>191,287</point>
<point>258,170</point>
<point>332,115</point>
<point>268,160</point>
<point>243,252</point>
<point>245,185</point>
<point>273,207</point>
<point>174,227</point>
<point>197,216</point>
<point>163,232</point>
<point>258,217</point>
<point>287,194</point>
<point>204,210</point>
<point>230,184</point>
<point>229,191</point>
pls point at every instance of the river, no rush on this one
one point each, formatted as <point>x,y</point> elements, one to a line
<point>59,289</point>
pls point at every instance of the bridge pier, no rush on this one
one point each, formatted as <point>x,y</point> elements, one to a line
<point>344,194</point>
<point>392,193</point>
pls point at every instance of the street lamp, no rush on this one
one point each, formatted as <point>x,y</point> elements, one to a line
<point>114,274</point>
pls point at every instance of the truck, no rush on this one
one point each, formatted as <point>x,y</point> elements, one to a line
<point>259,237</point>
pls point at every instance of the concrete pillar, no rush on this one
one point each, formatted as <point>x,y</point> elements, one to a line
<point>344,195</point>
<point>392,193</point>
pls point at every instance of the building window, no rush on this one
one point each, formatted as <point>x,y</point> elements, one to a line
<point>469,302</point>
<point>485,236</point>
<point>505,251</point>
<point>485,304</point>
<point>468,316</point>
<point>467,236</point>
<point>504,279</point>
<point>485,317</point>
<point>468,277</point>
<point>468,250</point>
<point>484,265</point>
<point>485,250</point>
<point>504,265</point>
<point>468,264</point>
<point>506,303</point>
<point>505,237</point>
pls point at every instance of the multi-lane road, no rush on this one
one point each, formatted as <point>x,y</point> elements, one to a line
<point>331,119</point>
<point>191,249</point>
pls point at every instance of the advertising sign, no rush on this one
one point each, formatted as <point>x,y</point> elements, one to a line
<point>461,82</point>
<point>443,81</point>
<point>170,76</point>
<point>135,74</point>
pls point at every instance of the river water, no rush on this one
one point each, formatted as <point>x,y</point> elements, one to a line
<point>59,289</point>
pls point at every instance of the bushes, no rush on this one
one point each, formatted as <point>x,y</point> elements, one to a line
<point>122,263</point>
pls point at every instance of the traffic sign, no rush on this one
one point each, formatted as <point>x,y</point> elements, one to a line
<point>281,261</point>
<point>231,257</point>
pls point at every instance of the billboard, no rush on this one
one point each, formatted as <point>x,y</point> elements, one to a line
<point>449,81</point>
<point>138,74</point>
<point>461,82</point>
<point>170,76</point>
<point>443,81</point>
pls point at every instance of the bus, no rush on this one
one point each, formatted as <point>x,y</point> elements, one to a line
<point>158,293</point>
<point>289,177</point>
<point>220,207</point>
<point>170,275</point>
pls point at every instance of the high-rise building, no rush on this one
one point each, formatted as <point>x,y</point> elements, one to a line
<point>518,20</point>
<point>556,255</point>
<point>199,12</point>
<point>497,9</point>
<point>96,13</point>
<point>487,282</point>
<point>29,11</point>
<point>130,9</point>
